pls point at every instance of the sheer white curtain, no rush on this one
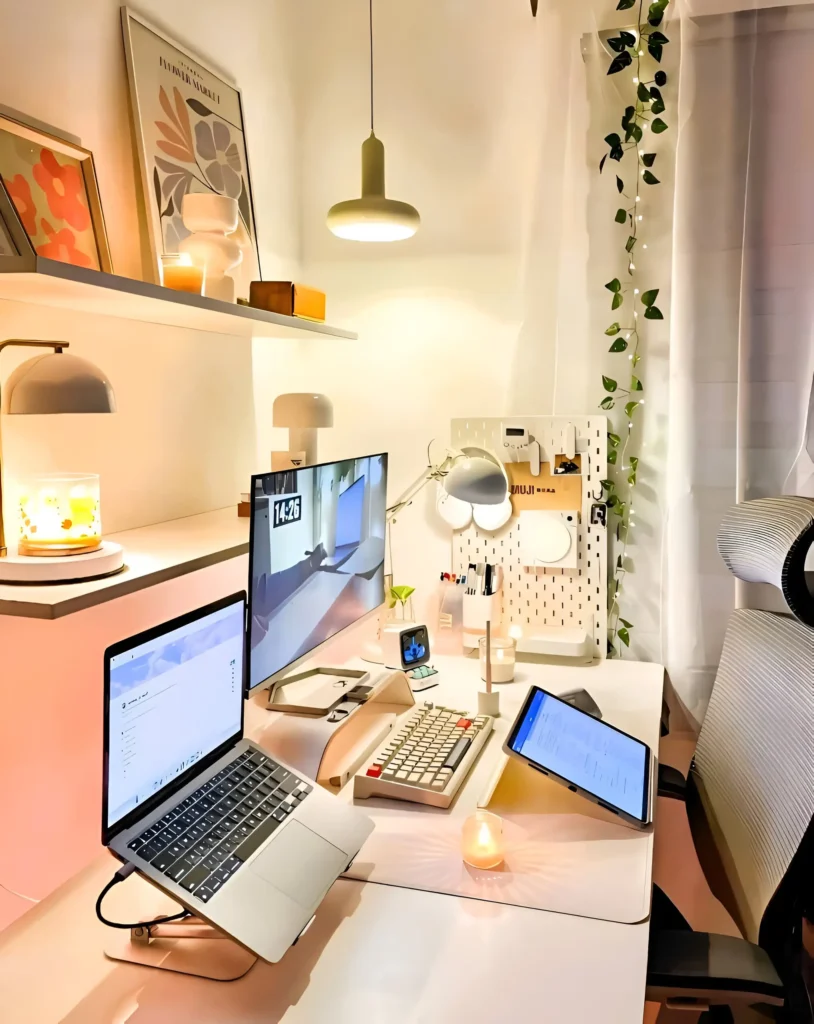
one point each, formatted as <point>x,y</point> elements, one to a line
<point>742,348</point>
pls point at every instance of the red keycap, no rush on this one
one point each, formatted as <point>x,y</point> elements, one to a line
<point>463,723</point>
<point>374,771</point>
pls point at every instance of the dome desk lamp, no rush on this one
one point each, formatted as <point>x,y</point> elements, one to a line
<point>60,524</point>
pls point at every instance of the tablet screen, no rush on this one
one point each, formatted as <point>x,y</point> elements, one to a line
<point>585,751</point>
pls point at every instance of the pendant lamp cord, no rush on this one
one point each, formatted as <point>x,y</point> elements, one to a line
<point>371,66</point>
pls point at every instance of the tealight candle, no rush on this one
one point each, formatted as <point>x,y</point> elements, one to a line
<point>179,273</point>
<point>482,840</point>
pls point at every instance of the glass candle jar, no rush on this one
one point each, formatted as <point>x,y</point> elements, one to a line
<point>179,273</point>
<point>482,840</point>
<point>503,658</point>
<point>60,514</point>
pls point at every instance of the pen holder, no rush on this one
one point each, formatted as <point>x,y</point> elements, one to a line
<point>477,611</point>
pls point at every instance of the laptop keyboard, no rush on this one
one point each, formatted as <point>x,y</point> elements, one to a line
<point>210,835</point>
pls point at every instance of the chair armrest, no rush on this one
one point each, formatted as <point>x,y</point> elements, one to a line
<point>716,968</point>
<point>671,783</point>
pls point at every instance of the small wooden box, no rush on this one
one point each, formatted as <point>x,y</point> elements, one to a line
<point>288,298</point>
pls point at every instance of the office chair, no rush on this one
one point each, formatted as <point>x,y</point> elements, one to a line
<point>750,805</point>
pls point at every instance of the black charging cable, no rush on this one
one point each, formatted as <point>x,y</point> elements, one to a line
<point>121,874</point>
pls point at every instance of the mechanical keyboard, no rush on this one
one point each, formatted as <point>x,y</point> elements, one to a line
<point>208,836</point>
<point>426,761</point>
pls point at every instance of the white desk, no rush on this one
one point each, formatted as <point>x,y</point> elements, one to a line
<point>375,953</point>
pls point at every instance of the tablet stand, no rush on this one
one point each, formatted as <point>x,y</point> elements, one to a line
<point>190,946</point>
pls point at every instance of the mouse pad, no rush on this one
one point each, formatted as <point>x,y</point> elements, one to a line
<point>562,853</point>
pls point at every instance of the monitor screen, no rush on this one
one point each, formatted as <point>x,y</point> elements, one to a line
<point>317,557</point>
<point>171,701</point>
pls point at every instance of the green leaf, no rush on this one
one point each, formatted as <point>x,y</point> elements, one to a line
<point>636,132</point>
<point>607,484</point>
<point>621,216</point>
<point>619,509</point>
<point>659,126</point>
<point>653,313</point>
<point>614,440</point>
<point>613,329</point>
<point>617,43</point>
<point>612,456</point>
<point>631,242</point>
<point>401,594</point>
<point>627,38</point>
<point>628,116</point>
<point>618,299</point>
<point>656,51</point>
<point>650,179</point>
<point>630,408</point>
<point>626,624</point>
<point>636,384</point>
<point>648,159</point>
<point>625,5</point>
<point>607,403</point>
<point>613,140</point>
<point>658,37</point>
<point>620,62</point>
<point>619,564</point>
<point>658,107</point>
<point>615,285</point>
<point>602,163</point>
<point>655,15</point>
<point>620,345</point>
<point>660,78</point>
<point>634,464</point>
<point>620,185</point>
<point>608,383</point>
<point>648,298</point>
<point>632,479</point>
<point>643,93</point>
<point>624,636</point>
<point>636,359</point>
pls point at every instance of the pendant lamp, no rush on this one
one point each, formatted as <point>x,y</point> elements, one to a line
<point>374,217</point>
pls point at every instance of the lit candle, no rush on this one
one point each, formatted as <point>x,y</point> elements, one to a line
<point>59,514</point>
<point>178,273</point>
<point>482,840</point>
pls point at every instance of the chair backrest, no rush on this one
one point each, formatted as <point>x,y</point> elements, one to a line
<point>752,778</point>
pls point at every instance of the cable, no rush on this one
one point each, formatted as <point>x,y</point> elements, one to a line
<point>19,895</point>
<point>371,66</point>
<point>120,876</point>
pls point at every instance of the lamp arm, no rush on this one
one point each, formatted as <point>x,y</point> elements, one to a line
<point>57,346</point>
<point>430,473</point>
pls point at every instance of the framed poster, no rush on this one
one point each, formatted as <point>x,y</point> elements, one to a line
<point>189,129</point>
<point>52,184</point>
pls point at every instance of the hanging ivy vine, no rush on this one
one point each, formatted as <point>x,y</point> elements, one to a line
<point>642,114</point>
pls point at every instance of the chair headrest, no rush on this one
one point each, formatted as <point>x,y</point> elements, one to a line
<point>767,541</point>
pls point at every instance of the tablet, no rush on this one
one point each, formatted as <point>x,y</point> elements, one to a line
<point>587,755</point>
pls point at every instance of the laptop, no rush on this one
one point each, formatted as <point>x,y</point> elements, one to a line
<point>236,836</point>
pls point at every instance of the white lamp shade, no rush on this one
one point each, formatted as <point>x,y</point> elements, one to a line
<point>57,383</point>
<point>302,410</point>
<point>478,480</point>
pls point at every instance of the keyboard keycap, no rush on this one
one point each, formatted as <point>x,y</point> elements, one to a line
<point>163,860</point>
<point>457,754</point>
<point>193,878</point>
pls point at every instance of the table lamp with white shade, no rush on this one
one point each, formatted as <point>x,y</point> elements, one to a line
<point>59,531</point>
<point>304,413</point>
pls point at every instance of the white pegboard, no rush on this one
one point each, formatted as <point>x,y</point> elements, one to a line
<point>545,597</point>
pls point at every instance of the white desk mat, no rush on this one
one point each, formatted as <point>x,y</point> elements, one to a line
<point>563,853</point>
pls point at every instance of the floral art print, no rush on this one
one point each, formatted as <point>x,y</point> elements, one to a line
<point>189,123</point>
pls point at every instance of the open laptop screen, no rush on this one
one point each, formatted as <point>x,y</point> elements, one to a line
<point>174,695</point>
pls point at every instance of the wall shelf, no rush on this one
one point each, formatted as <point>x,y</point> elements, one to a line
<point>63,286</point>
<point>152,554</point>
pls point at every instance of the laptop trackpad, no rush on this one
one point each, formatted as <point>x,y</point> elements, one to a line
<point>300,863</point>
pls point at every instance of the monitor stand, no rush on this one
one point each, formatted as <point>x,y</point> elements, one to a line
<point>316,691</point>
<point>187,947</point>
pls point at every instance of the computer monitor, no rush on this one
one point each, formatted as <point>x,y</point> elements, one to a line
<point>173,704</point>
<point>316,562</point>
